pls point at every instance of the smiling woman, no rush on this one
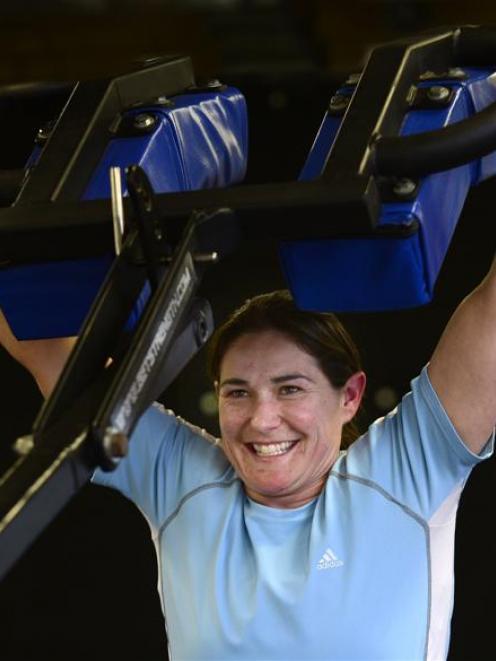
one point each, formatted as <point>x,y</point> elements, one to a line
<point>281,430</point>
<point>319,335</point>
<point>274,544</point>
<point>289,525</point>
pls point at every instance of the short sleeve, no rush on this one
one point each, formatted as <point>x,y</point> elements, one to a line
<point>167,458</point>
<point>414,453</point>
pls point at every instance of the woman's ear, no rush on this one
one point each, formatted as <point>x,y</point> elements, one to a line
<point>353,391</point>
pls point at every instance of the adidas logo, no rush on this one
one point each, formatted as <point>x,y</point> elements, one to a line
<point>329,560</point>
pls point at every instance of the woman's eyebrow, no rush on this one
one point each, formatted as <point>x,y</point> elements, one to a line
<point>290,377</point>
<point>233,382</point>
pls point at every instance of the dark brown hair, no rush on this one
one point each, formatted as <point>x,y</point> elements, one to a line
<point>321,335</point>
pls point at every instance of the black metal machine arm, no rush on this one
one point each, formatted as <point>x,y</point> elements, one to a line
<point>451,146</point>
<point>369,142</point>
<point>142,367</point>
<point>94,405</point>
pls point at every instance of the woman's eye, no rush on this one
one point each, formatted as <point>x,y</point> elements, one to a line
<point>290,390</point>
<point>236,394</point>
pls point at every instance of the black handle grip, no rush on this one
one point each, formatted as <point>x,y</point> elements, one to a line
<point>434,151</point>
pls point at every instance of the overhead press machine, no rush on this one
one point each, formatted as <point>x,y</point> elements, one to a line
<point>119,261</point>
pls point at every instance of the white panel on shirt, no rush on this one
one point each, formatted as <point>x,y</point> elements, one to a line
<point>442,541</point>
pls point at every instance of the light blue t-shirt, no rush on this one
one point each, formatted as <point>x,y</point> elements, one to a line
<point>363,572</point>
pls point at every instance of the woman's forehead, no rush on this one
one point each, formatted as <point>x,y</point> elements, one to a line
<point>268,351</point>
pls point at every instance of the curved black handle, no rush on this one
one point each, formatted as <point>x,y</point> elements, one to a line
<point>470,139</point>
<point>434,151</point>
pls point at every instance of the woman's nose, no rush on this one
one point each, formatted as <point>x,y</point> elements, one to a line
<point>265,415</point>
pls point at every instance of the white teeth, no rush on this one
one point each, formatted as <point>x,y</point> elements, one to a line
<point>273,448</point>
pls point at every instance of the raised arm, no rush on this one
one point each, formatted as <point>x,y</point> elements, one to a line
<point>463,366</point>
<point>44,359</point>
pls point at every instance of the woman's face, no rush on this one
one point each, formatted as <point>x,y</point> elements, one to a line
<point>280,418</point>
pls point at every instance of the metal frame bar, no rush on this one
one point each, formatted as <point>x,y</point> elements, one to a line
<point>95,405</point>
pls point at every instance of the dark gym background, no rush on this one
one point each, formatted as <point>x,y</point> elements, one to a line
<point>87,588</point>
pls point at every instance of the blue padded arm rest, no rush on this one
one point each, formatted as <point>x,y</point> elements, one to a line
<point>384,273</point>
<point>200,141</point>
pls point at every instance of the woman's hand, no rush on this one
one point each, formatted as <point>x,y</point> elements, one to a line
<point>44,359</point>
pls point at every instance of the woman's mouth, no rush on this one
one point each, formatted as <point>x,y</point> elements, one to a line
<point>272,449</point>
